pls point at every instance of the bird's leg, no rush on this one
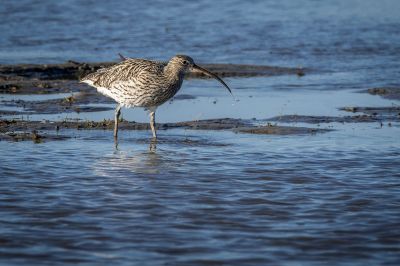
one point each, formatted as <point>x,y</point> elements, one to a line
<point>153,145</point>
<point>153,123</point>
<point>117,114</point>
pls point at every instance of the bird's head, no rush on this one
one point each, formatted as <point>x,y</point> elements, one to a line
<point>184,64</point>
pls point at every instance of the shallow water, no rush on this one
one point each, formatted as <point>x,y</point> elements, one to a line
<point>203,198</point>
<point>210,197</point>
<point>267,96</point>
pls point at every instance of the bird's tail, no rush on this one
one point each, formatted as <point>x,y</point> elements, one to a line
<point>123,58</point>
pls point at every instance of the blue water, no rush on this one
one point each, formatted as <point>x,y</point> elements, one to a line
<point>204,199</point>
<point>329,34</point>
<point>210,197</point>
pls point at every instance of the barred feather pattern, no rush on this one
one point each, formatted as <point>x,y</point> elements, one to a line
<point>139,82</point>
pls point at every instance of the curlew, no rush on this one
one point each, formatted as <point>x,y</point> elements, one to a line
<point>144,83</point>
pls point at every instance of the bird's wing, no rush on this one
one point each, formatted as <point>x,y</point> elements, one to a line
<point>128,70</point>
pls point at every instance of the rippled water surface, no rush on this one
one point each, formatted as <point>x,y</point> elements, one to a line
<point>202,198</point>
<point>210,197</point>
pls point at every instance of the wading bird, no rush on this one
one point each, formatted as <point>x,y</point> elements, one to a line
<point>144,83</point>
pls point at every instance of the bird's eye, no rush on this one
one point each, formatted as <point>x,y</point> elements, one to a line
<point>185,62</point>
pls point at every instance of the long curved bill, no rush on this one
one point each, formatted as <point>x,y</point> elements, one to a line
<point>210,74</point>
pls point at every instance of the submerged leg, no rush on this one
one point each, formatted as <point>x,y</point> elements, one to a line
<point>153,145</point>
<point>117,114</point>
<point>153,123</point>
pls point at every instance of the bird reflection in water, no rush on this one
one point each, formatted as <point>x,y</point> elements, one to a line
<point>152,145</point>
<point>125,163</point>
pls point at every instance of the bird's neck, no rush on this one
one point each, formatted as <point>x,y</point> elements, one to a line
<point>173,73</point>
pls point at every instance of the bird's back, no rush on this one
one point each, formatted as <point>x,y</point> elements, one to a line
<point>127,70</point>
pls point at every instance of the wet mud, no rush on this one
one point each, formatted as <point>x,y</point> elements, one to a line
<point>390,93</point>
<point>22,129</point>
<point>31,136</point>
<point>210,124</point>
<point>364,118</point>
<point>75,70</point>
<point>386,113</point>
<point>64,78</point>
<point>281,130</point>
<point>22,85</point>
<point>363,114</point>
<point>57,78</point>
<point>77,102</point>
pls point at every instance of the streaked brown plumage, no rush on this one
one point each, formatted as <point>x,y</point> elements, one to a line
<point>143,83</point>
